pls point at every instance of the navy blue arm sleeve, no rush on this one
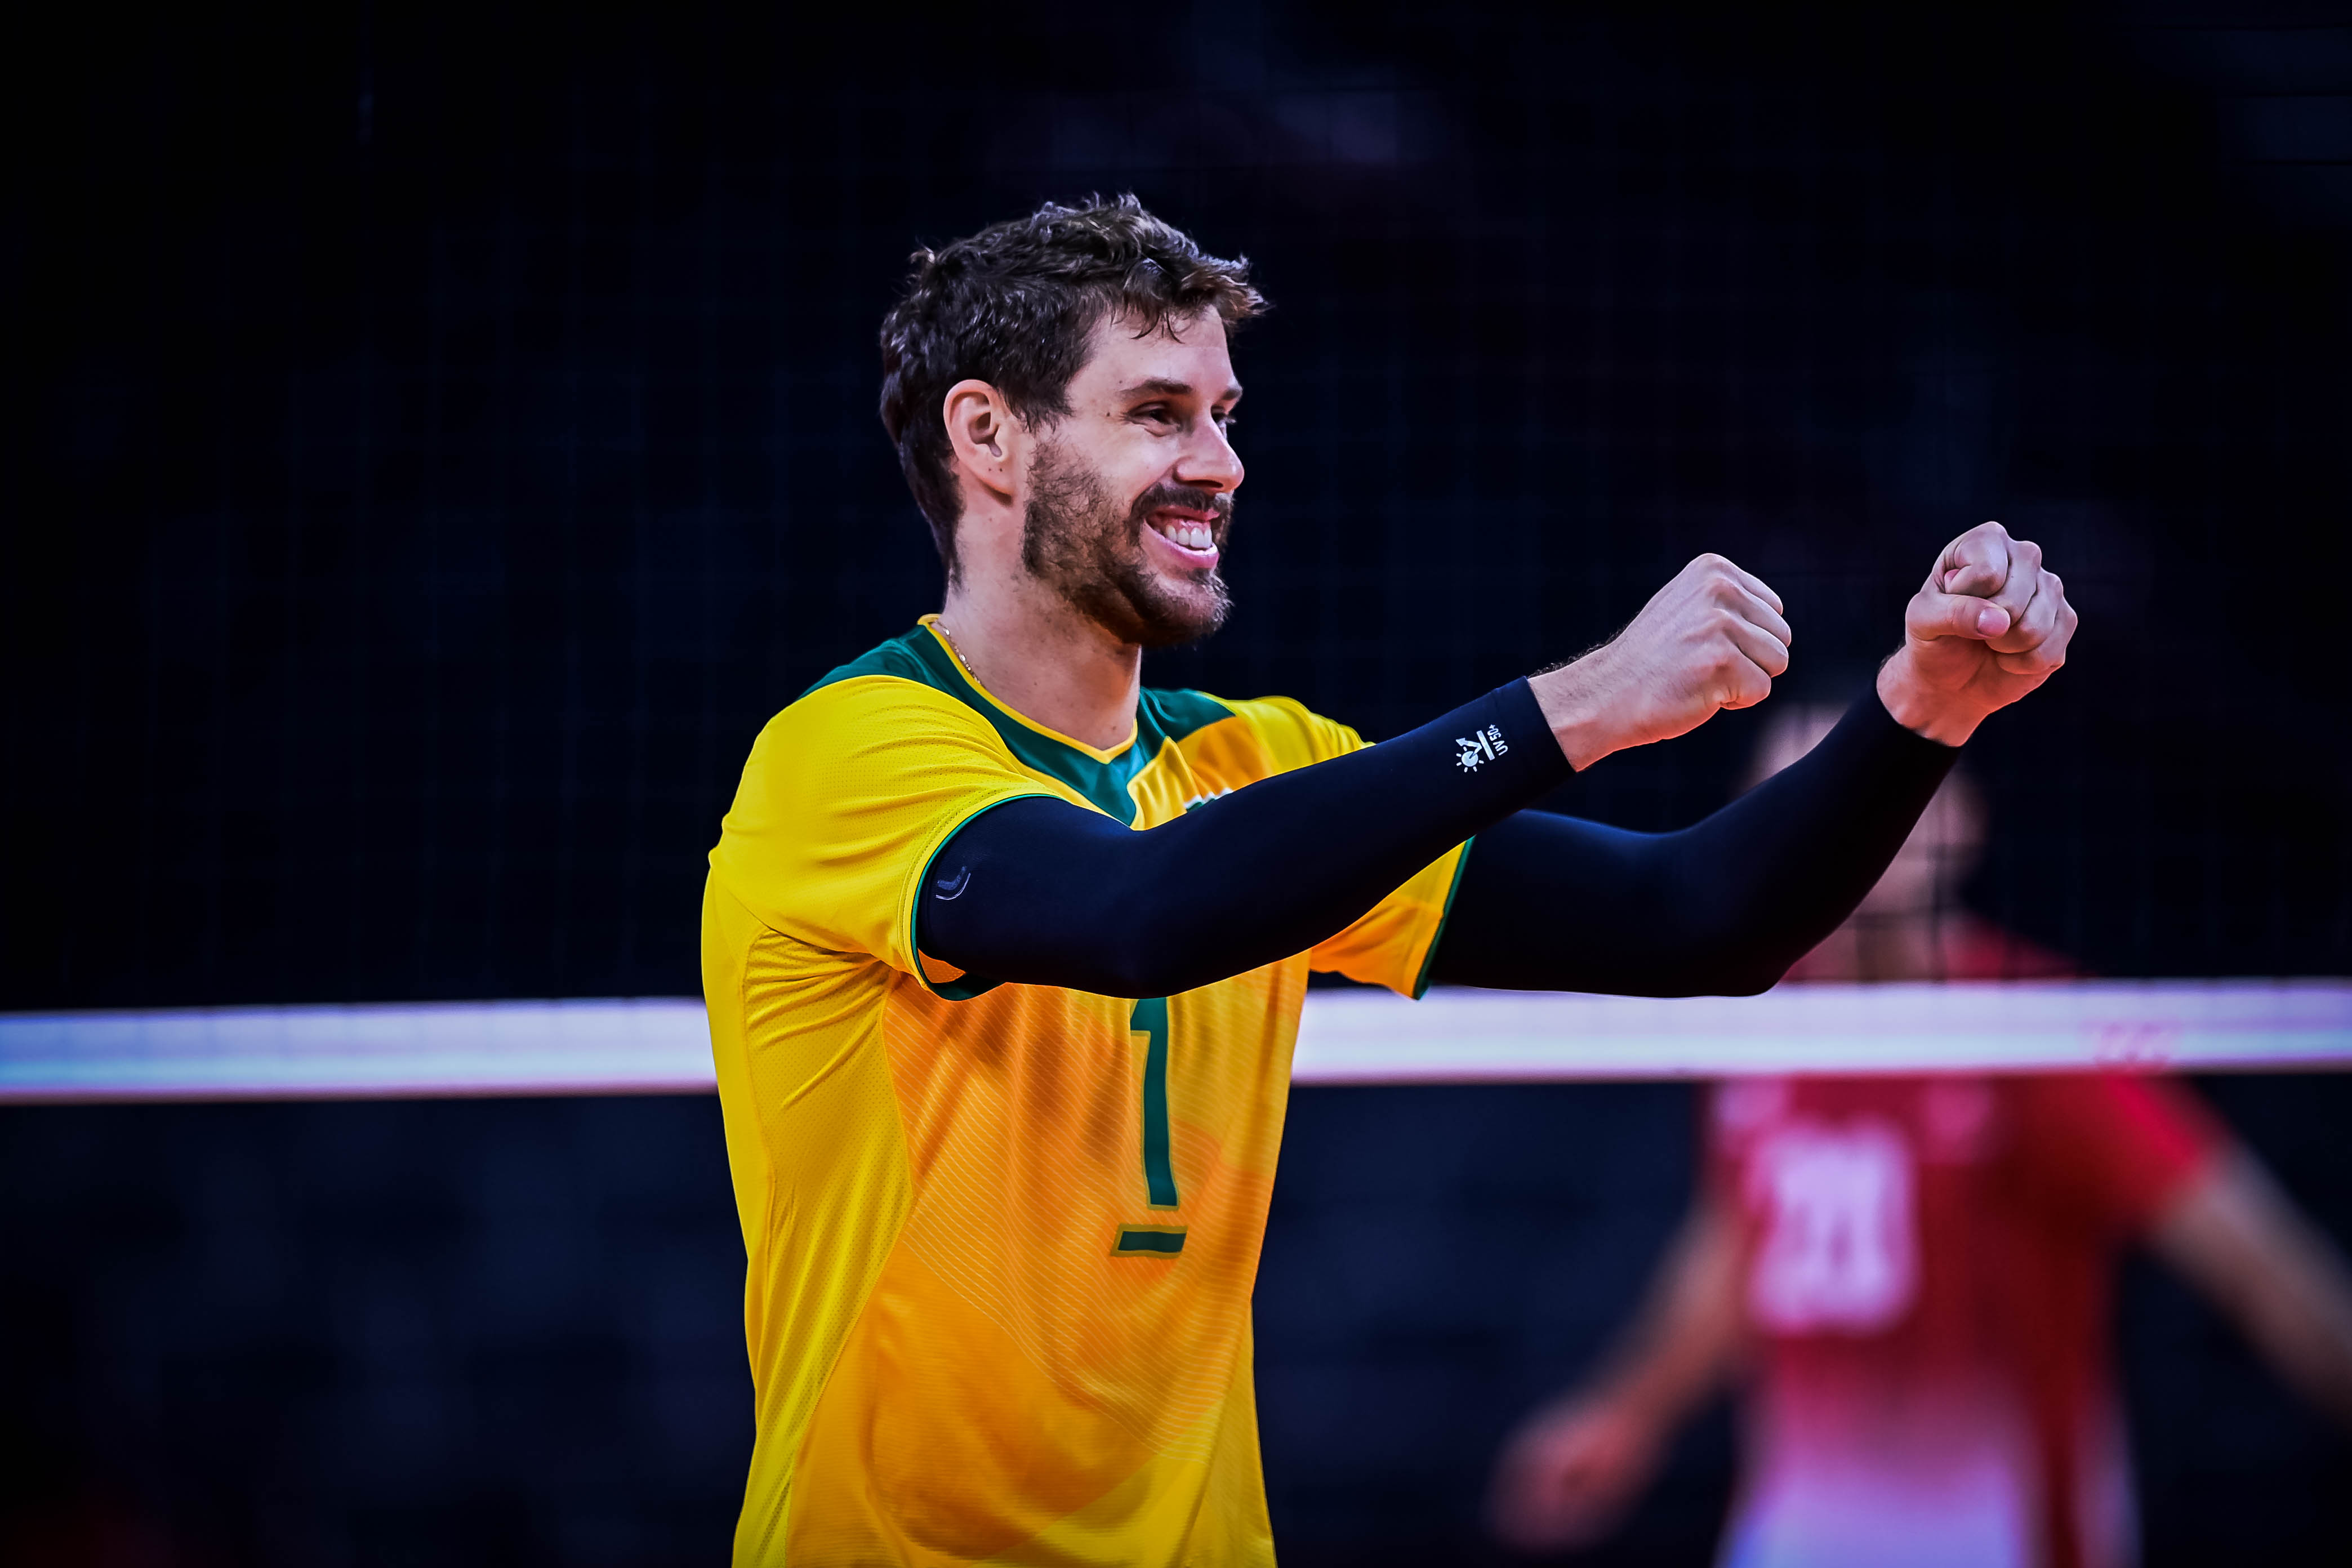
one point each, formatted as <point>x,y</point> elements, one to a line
<point>1723,907</point>
<point>1040,892</point>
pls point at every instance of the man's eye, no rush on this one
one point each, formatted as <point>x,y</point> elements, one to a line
<point>1227,421</point>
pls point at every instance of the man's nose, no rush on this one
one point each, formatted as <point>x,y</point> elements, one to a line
<point>1209,461</point>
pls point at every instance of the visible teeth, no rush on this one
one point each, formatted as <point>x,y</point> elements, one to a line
<point>1191,535</point>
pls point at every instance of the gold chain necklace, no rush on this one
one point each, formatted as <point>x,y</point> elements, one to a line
<point>957,651</point>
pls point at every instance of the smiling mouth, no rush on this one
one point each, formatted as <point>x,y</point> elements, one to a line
<point>1192,536</point>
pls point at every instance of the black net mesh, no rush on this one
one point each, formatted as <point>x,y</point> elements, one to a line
<point>441,443</point>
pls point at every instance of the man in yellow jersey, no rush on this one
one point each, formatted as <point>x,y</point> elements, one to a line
<point>1006,955</point>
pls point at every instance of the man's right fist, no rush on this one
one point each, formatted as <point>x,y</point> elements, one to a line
<point>1712,639</point>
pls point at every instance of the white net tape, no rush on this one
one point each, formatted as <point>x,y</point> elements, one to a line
<point>662,1046</point>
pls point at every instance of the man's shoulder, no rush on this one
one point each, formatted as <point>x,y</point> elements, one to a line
<point>880,751</point>
<point>913,656</point>
<point>1176,712</point>
<point>1280,733</point>
<point>880,725</point>
<point>902,683</point>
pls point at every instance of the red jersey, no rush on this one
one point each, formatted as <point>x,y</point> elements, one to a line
<point>1929,1264</point>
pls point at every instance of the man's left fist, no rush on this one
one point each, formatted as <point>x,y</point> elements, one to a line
<point>1988,627</point>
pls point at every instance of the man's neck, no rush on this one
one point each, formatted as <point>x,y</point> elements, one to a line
<point>1045,661</point>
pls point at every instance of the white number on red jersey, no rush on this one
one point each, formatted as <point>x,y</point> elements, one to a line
<point>1838,1249</point>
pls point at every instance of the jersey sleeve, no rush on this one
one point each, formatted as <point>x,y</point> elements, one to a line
<point>2114,1148</point>
<point>848,794</point>
<point>1392,943</point>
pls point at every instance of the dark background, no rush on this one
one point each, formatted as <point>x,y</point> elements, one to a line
<point>508,1334</point>
<point>437,438</point>
<point>445,433</point>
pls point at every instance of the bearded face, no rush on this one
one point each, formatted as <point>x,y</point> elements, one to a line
<point>1080,541</point>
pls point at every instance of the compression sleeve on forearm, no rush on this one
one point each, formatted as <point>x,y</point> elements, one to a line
<point>1057,895</point>
<point>1723,907</point>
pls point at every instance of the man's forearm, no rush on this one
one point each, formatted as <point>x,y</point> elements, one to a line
<point>2240,1241</point>
<point>1724,906</point>
<point>1683,1344</point>
<point>1059,896</point>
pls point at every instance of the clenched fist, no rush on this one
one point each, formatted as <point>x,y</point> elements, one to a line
<point>1989,626</point>
<point>1710,640</point>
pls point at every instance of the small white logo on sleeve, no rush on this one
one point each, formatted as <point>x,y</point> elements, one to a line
<point>1479,748</point>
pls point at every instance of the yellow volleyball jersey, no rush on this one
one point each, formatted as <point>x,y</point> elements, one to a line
<point>1002,1238</point>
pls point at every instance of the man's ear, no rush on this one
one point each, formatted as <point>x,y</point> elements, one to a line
<point>984,436</point>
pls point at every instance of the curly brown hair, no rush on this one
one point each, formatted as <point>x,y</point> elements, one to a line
<point>1014,305</point>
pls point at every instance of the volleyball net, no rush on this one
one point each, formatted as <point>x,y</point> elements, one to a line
<point>662,1044</point>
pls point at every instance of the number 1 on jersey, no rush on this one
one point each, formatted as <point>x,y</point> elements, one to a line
<point>1149,1025</point>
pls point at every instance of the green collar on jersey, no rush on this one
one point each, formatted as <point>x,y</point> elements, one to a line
<point>1161,717</point>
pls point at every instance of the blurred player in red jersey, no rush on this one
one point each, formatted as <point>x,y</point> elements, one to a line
<point>1914,1275</point>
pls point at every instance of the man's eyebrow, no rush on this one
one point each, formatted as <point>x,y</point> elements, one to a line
<point>1161,386</point>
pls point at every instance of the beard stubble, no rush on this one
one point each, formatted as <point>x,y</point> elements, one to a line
<point>1077,540</point>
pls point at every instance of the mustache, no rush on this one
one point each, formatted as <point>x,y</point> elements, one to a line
<point>1215,502</point>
